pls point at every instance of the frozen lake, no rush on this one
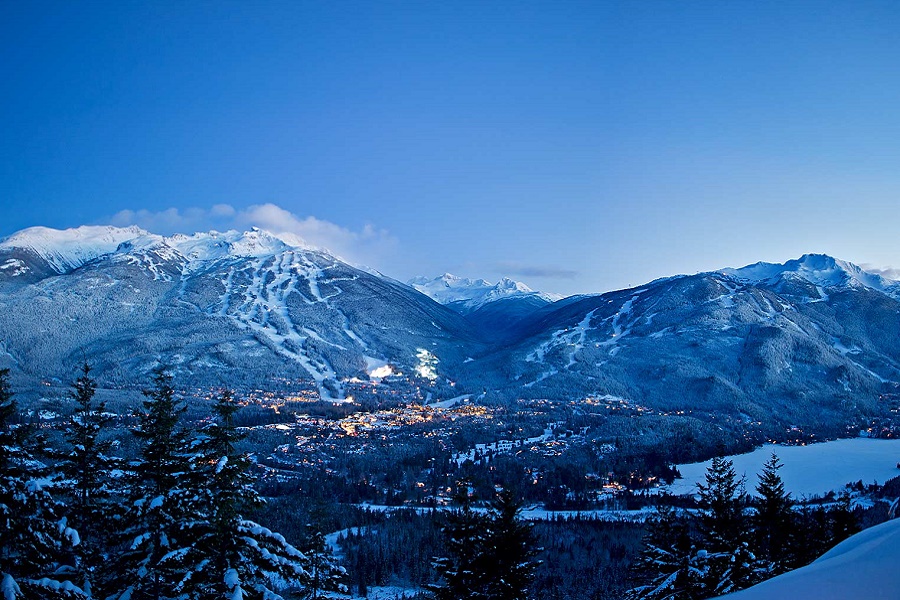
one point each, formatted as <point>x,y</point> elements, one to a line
<point>809,470</point>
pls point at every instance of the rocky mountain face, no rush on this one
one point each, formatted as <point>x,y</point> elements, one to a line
<point>812,341</point>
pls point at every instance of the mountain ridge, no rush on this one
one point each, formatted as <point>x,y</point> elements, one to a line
<point>815,340</point>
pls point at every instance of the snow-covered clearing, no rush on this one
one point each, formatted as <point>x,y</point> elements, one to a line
<point>809,470</point>
<point>450,403</point>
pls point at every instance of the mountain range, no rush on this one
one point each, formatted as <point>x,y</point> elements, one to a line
<point>810,341</point>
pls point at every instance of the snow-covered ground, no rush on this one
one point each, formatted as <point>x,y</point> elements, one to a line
<point>810,470</point>
<point>447,404</point>
<point>865,566</point>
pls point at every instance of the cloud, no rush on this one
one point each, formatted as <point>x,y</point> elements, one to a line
<point>545,271</point>
<point>887,272</point>
<point>369,245</point>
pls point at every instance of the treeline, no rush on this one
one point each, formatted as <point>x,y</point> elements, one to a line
<point>731,541</point>
<point>580,557</point>
<point>77,522</point>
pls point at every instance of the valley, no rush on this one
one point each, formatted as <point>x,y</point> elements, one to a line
<point>371,404</point>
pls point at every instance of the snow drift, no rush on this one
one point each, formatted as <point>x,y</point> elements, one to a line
<point>864,566</point>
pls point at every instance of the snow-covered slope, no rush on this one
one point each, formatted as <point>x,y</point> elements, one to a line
<point>813,341</point>
<point>864,567</point>
<point>241,306</point>
<point>68,249</point>
<point>782,351</point>
<point>467,295</point>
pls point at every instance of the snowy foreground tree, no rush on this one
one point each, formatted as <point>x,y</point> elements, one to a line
<point>732,542</point>
<point>35,539</point>
<point>669,566</point>
<point>731,565</point>
<point>187,537</point>
<point>694,557</point>
<point>155,541</point>
<point>490,556</point>
<point>230,556</point>
<point>171,528</point>
<point>773,523</point>
<point>87,487</point>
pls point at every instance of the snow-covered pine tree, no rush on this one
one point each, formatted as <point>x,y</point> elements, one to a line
<point>88,485</point>
<point>35,540</point>
<point>324,573</point>
<point>774,521</point>
<point>725,531</point>
<point>462,570</point>
<point>230,556</point>
<point>511,550</point>
<point>489,556</point>
<point>668,567</point>
<point>152,559</point>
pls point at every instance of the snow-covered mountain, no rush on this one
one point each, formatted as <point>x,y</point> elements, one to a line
<point>862,567</point>
<point>495,310</point>
<point>467,295</point>
<point>782,342</point>
<point>241,306</point>
<point>66,250</point>
<point>815,340</point>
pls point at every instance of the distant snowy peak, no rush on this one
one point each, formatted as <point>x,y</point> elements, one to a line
<point>473,293</point>
<point>69,249</point>
<point>449,288</point>
<point>820,270</point>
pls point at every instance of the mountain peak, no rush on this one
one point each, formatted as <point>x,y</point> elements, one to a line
<point>510,285</point>
<point>472,293</point>
<point>820,270</point>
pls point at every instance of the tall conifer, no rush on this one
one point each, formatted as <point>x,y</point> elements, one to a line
<point>724,531</point>
<point>774,521</point>
<point>489,556</point>
<point>35,539</point>
<point>87,486</point>
<point>152,559</point>
<point>511,550</point>
<point>229,555</point>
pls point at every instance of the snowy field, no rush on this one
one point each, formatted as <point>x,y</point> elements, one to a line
<point>810,470</point>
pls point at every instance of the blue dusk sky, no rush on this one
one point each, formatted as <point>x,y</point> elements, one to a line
<point>576,146</point>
